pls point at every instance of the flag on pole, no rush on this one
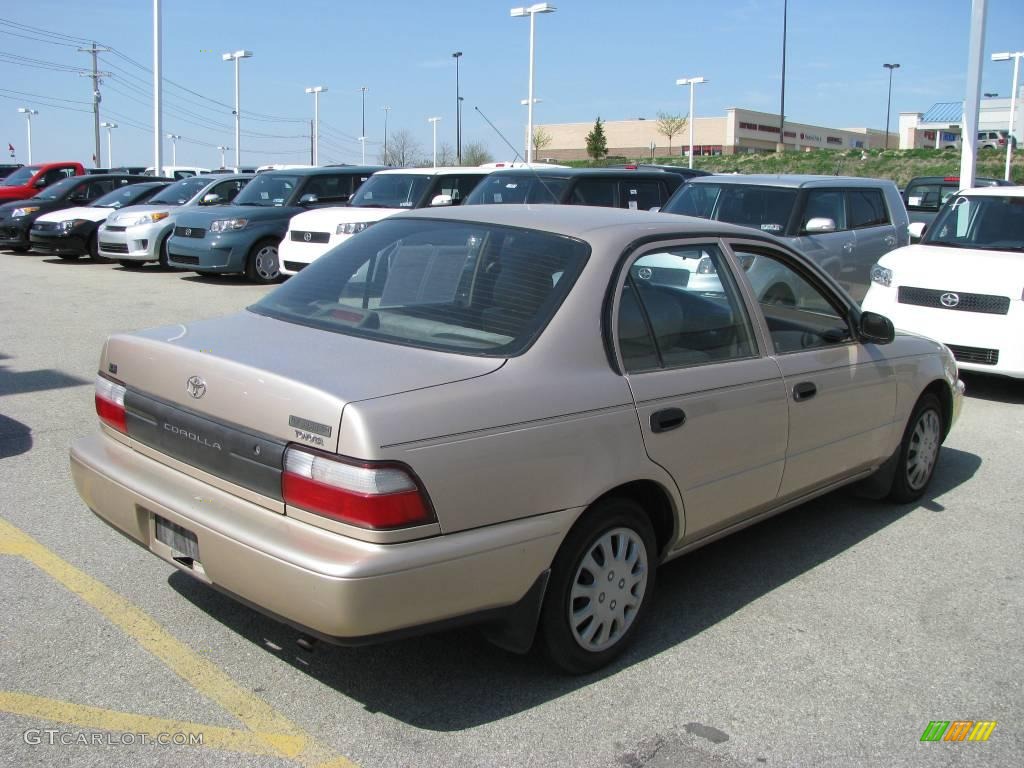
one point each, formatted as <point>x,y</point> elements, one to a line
<point>10,148</point>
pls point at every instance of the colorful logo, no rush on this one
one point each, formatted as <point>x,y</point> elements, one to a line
<point>958,730</point>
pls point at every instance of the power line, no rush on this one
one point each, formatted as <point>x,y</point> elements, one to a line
<point>51,106</point>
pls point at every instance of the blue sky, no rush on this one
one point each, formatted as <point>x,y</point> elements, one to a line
<point>594,57</point>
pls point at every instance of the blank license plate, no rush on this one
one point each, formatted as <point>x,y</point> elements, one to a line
<point>179,539</point>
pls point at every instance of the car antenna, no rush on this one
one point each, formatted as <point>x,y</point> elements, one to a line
<point>515,151</point>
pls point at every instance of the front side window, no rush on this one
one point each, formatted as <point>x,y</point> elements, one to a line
<point>867,208</point>
<point>268,190</point>
<point>985,222</point>
<point>21,176</point>
<point>765,208</point>
<point>518,188</point>
<point>61,189</point>
<point>180,192</point>
<point>824,204</point>
<point>457,187</point>
<point>799,314</point>
<point>391,190</point>
<point>477,289</point>
<point>228,190</point>
<point>680,307</point>
<point>123,196</point>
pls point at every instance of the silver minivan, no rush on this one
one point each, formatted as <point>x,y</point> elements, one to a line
<point>845,224</point>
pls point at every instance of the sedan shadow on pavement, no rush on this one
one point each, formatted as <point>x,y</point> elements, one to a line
<point>15,437</point>
<point>457,680</point>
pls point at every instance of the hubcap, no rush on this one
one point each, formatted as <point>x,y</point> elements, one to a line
<point>608,589</point>
<point>266,263</point>
<point>924,449</point>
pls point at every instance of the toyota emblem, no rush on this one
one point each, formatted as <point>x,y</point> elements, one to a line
<point>195,386</point>
<point>949,300</point>
<point>644,273</point>
<point>307,236</point>
<point>188,233</point>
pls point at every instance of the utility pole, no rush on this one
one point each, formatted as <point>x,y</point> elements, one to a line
<point>312,144</point>
<point>385,159</point>
<point>158,119</point>
<point>96,97</point>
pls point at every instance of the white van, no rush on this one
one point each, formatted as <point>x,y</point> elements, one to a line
<point>177,172</point>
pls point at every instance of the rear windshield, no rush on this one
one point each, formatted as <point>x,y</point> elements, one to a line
<point>986,222</point>
<point>392,190</point>
<point>268,190</point>
<point>517,189</point>
<point>21,176</point>
<point>477,289</point>
<point>180,192</point>
<point>764,208</point>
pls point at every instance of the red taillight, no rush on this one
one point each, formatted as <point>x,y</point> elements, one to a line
<point>951,178</point>
<point>378,496</point>
<point>110,404</point>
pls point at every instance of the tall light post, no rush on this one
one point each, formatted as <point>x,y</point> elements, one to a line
<point>110,147</point>
<point>433,121</point>
<point>458,109</point>
<point>222,150</point>
<point>532,12</point>
<point>781,146</point>
<point>158,110</point>
<point>28,119</point>
<point>888,103</point>
<point>362,136</point>
<point>386,110</point>
<point>174,148</point>
<point>236,57</point>
<point>1006,56</point>
<point>691,81</point>
<point>316,90</point>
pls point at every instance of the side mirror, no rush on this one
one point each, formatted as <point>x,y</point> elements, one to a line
<point>40,184</point>
<point>819,224</point>
<point>308,199</point>
<point>441,200</point>
<point>876,328</point>
<point>211,199</point>
<point>654,208</point>
<point>917,230</point>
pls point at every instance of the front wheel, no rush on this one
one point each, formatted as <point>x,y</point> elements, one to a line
<point>601,583</point>
<point>919,451</point>
<point>263,266</point>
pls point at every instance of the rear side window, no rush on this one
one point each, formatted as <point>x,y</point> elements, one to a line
<point>469,288</point>
<point>867,208</point>
<point>458,187</point>
<point>642,195</point>
<point>598,192</point>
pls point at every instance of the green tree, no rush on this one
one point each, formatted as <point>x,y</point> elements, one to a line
<point>669,126</point>
<point>597,143</point>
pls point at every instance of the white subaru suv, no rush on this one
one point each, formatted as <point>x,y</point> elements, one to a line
<point>312,233</point>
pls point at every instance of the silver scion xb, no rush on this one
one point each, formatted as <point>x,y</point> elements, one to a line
<point>507,415</point>
<point>139,234</point>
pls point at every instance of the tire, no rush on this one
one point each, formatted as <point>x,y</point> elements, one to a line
<point>20,248</point>
<point>162,251</point>
<point>94,251</point>
<point>130,264</point>
<point>613,531</point>
<point>69,256</point>
<point>262,265</point>
<point>919,451</point>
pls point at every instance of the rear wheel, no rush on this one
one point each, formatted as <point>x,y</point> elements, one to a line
<point>20,248</point>
<point>919,451</point>
<point>601,583</point>
<point>263,266</point>
<point>69,256</point>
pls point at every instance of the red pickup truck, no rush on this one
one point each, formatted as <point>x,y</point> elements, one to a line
<point>28,180</point>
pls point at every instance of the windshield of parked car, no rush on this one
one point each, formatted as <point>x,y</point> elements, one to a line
<point>478,289</point>
<point>21,176</point>
<point>59,189</point>
<point>180,192</point>
<point>765,208</point>
<point>268,190</point>
<point>392,190</point>
<point>993,223</point>
<point>537,188</point>
<point>123,196</point>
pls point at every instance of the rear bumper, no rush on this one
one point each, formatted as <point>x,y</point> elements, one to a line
<point>339,588</point>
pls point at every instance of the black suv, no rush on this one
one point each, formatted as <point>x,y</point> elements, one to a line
<point>607,187</point>
<point>17,216</point>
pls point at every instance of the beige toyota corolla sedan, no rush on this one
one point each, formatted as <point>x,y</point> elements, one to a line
<point>503,415</point>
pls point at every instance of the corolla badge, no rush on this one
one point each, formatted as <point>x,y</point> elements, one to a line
<point>195,386</point>
<point>949,300</point>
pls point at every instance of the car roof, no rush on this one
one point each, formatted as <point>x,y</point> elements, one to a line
<point>325,171</point>
<point>569,173</point>
<point>1010,191</point>
<point>446,171</point>
<point>951,179</point>
<point>792,180</point>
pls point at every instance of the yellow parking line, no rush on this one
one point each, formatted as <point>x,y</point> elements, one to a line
<point>97,718</point>
<point>202,675</point>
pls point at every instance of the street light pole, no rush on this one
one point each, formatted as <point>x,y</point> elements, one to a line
<point>362,136</point>
<point>781,146</point>
<point>888,103</point>
<point>316,90</point>
<point>458,110</point>
<point>236,56</point>
<point>28,119</point>
<point>174,148</point>
<point>110,147</point>
<point>222,154</point>
<point>532,12</point>
<point>691,81</point>
<point>433,121</point>
<point>1016,56</point>
<point>385,158</point>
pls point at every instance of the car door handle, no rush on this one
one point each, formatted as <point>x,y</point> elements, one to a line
<point>805,390</point>
<point>890,239</point>
<point>848,247</point>
<point>669,418</point>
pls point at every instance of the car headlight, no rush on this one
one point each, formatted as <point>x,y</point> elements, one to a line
<point>19,212</point>
<point>351,227</point>
<point>881,275</point>
<point>150,218</point>
<point>227,225</point>
<point>67,226</point>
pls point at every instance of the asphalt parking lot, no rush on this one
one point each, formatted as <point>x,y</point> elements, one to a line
<point>828,636</point>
